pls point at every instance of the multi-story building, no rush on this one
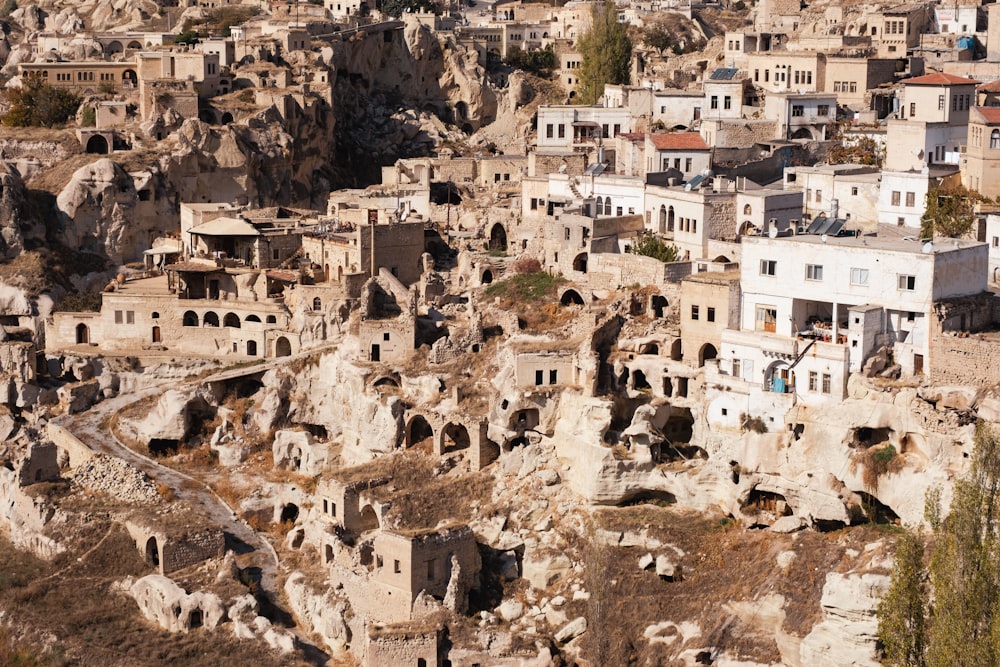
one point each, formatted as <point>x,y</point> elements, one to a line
<point>981,162</point>
<point>933,122</point>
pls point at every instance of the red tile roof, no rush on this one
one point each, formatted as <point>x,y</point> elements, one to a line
<point>991,87</point>
<point>938,79</point>
<point>990,114</point>
<point>678,141</point>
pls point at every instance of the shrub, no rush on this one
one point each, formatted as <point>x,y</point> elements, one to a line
<point>88,118</point>
<point>653,246</point>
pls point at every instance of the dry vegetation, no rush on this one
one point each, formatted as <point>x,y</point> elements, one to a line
<point>723,563</point>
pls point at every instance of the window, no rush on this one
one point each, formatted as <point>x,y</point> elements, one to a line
<point>539,377</point>
<point>534,203</point>
<point>395,567</point>
<point>129,317</point>
<point>996,241</point>
<point>940,102</point>
<point>768,267</point>
<point>798,110</point>
<point>766,318</point>
<point>687,164</point>
<point>496,178</point>
<point>118,317</point>
<point>562,131</point>
<point>911,198</point>
<point>895,197</point>
<point>819,196</point>
<point>859,276</point>
<point>913,109</point>
<point>826,383</point>
<point>566,230</point>
<point>710,315</point>
<point>906,282</point>
<point>823,110</point>
<point>814,272</point>
<point>274,254</point>
<point>736,368</point>
<point>854,191</point>
<point>854,84</point>
<point>548,131</point>
<point>995,139</point>
<point>714,102</point>
<point>385,336</point>
<point>727,102</point>
<point>694,312</point>
<point>836,86</point>
<point>813,380</point>
<point>553,375</point>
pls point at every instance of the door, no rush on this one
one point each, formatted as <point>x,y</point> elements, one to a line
<point>376,353</point>
<point>213,289</point>
<point>918,364</point>
<point>156,334</point>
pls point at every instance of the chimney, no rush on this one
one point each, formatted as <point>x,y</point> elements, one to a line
<point>834,208</point>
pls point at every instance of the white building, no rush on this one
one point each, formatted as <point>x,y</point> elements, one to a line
<point>815,308</point>
<point>568,126</point>
<point>903,194</point>
<point>850,188</point>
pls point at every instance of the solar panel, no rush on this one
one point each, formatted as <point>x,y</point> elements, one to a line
<point>724,74</point>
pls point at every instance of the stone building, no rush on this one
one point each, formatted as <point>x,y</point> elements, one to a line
<point>981,162</point>
<point>364,249</point>
<point>710,303</point>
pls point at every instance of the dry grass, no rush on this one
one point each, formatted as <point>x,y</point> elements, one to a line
<point>723,563</point>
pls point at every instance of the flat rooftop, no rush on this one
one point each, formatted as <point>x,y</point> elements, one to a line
<point>888,238</point>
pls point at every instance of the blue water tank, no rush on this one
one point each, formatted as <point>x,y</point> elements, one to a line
<point>966,43</point>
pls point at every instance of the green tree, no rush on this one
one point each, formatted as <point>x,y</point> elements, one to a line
<point>606,54</point>
<point>540,62</point>
<point>961,627</point>
<point>901,613</point>
<point>187,37</point>
<point>950,212</point>
<point>36,103</point>
<point>655,36</point>
<point>651,245</point>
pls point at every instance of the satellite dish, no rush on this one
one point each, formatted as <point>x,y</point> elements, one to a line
<point>772,233</point>
<point>823,238</point>
<point>928,248</point>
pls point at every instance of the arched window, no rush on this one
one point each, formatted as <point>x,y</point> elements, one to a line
<point>607,206</point>
<point>663,218</point>
<point>747,210</point>
<point>600,206</point>
<point>995,139</point>
<point>670,219</point>
<point>317,304</point>
<point>190,319</point>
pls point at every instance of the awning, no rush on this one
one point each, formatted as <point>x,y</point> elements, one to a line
<point>225,227</point>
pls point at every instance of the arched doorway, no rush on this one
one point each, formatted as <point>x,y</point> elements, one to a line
<point>779,379</point>
<point>670,219</point>
<point>251,348</point>
<point>97,144</point>
<point>211,319</point>
<point>498,238</point>
<point>675,350</point>
<point>114,47</point>
<point>487,277</point>
<point>190,319</point>
<point>227,118</point>
<point>580,262</point>
<point>130,78</point>
<point>803,133</point>
<point>455,437</point>
<point>663,218</point>
<point>571,296</point>
<point>659,304</point>
<point>418,430</point>
<point>369,519</point>
<point>134,45</point>
<point>282,348</point>
<point>152,552</point>
<point>707,352</point>
<point>231,320</point>
<point>82,334</point>
<point>289,513</point>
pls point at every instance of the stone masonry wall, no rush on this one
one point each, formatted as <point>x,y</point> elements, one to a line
<point>192,549</point>
<point>972,361</point>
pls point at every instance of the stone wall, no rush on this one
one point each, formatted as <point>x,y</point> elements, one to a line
<point>403,645</point>
<point>741,134</point>
<point>973,361</point>
<point>550,163</point>
<point>191,549</point>
<point>612,270</point>
<point>78,452</point>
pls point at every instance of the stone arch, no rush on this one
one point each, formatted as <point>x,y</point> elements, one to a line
<point>231,320</point>
<point>580,262</point>
<point>211,319</point>
<point>676,350</point>
<point>252,318</point>
<point>748,228</point>
<point>721,259</point>
<point>454,437</point>
<point>369,519</point>
<point>707,352</point>
<point>317,304</point>
<point>418,429</point>
<point>498,237</point>
<point>135,44</point>
<point>571,296</point>
<point>649,348</point>
<point>190,319</point>
<point>82,334</point>
<point>663,218</point>
<point>386,381</point>
<point>98,144</point>
<point>803,133</point>
<point>130,77</point>
<point>227,118</point>
<point>282,348</point>
<point>152,552</point>
<point>659,305</point>
<point>487,277</point>
<point>271,319</point>
<point>670,219</point>
<point>461,111</point>
<point>113,47</point>
<point>251,348</point>
<point>289,513</point>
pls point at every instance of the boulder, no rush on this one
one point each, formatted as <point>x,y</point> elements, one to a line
<point>571,630</point>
